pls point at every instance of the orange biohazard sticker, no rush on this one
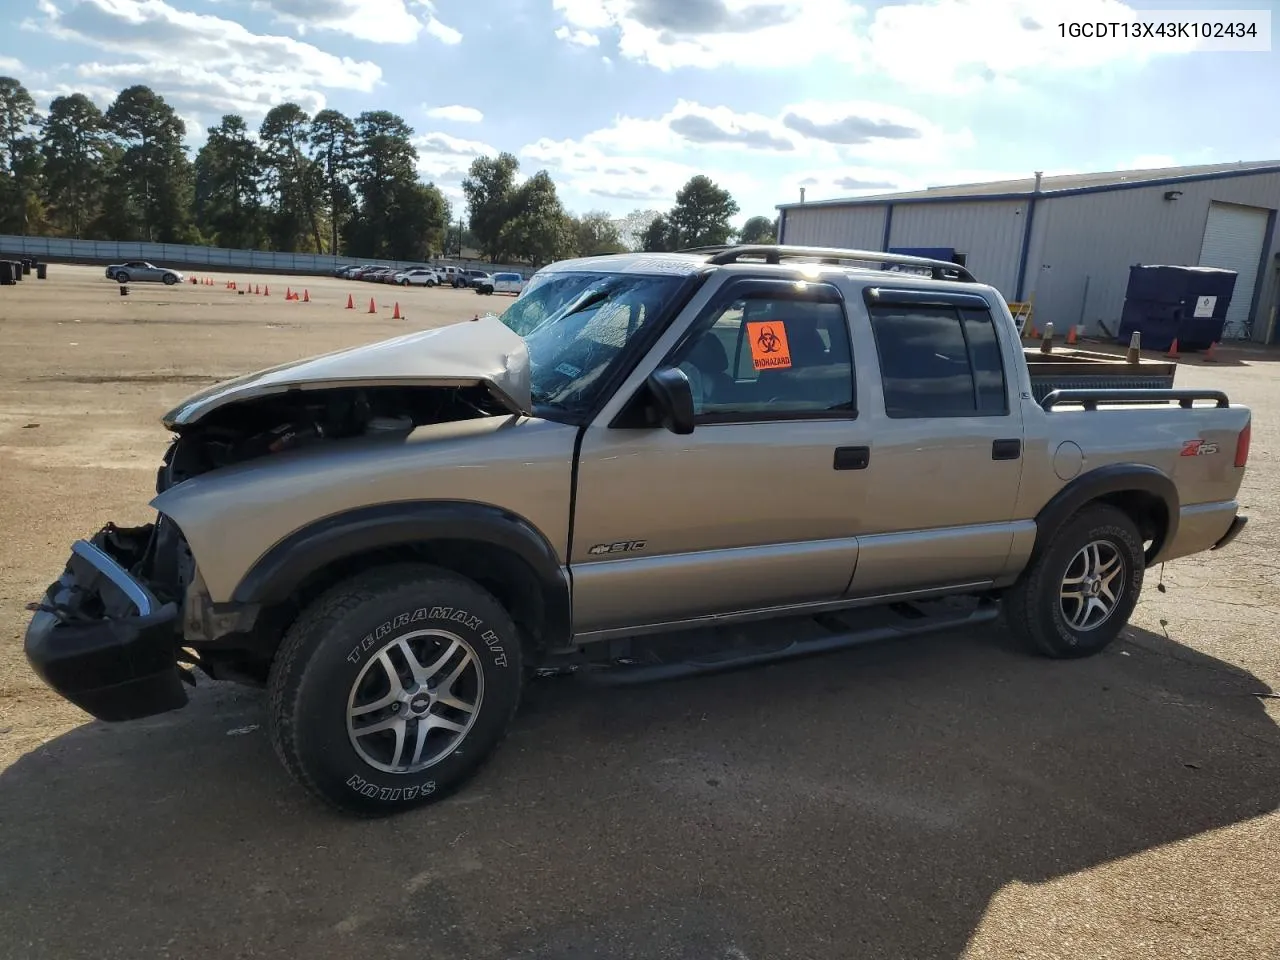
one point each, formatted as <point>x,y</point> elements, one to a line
<point>769,349</point>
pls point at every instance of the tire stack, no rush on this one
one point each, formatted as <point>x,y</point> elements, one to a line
<point>6,273</point>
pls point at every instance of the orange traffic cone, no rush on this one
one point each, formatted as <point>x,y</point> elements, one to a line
<point>1211,355</point>
<point>1071,335</point>
<point>396,315</point>
<point>257,291</point>
<point>306,295</point>
<point>351,303</point>
<point>288,293</point>
<point>266,291</point>
<point>372,307</point>
<point>1173,350</point>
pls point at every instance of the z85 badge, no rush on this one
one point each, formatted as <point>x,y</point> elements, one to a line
<point>1198,448</point>
<point>622,546</point>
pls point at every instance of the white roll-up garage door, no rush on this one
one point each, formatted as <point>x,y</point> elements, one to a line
<point>1233,239</point>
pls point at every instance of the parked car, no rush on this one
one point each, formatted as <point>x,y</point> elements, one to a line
<point>142,271</point>
<point>448,275</point>
<point>792,410</point>
<point>469,277</point>
<point>501,283</point>
<point>420,277</point>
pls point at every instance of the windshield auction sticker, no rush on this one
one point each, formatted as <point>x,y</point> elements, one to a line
<point>769,348</point>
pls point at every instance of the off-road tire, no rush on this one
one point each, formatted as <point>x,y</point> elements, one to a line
<point>1033,608</point>
<point>326,648</point>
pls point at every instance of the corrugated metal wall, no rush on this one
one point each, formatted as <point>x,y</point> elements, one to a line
<point>1099,236</point>
<point>989,234</point>
<point>856,228</point>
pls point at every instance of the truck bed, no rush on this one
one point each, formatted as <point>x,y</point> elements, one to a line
<point>1073,369</point>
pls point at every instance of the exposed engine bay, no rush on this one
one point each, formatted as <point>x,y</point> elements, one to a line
<point>250,429</point>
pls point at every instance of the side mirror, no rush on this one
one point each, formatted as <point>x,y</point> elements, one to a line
<point>673,396</point>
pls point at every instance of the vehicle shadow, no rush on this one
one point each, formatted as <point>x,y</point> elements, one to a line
<point>863,804</point>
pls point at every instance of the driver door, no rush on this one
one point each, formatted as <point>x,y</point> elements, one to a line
<point>761,505</point>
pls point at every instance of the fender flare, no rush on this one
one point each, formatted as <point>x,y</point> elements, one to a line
<point>284,567</point>
<point>1112,478</point>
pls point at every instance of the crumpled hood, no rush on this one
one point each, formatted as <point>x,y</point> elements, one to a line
<point>471,353</point>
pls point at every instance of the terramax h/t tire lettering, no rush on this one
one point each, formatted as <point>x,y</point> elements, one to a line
<point>393,688</point>
<point>1077,597</point>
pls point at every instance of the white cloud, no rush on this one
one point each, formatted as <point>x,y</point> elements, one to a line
<point>445,34</point>
<point>100,94</point>
<point>669,34</point>
<point>944,46</point>
<point>580,38</point>
<point>456,113</point>
<point>203,61</point>
<point>378,21</point>
<point>444,159</point>
<point>11,65</point>
<point>965,43</point>
<point>831,148</point>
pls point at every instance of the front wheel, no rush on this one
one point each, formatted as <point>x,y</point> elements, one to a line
<point>122,277</point>
<point>393,688</point>
<point>170,280</point>
<point>1078,595</point>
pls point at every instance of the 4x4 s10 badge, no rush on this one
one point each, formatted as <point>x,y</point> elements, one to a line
<point>622,546</point>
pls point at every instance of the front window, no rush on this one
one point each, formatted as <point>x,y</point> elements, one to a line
<point>578,325</point>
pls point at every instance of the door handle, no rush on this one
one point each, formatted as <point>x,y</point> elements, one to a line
<point>852,458</point>
<point>1006,449</point>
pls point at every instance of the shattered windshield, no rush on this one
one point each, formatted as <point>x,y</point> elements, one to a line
<point>577,325</point>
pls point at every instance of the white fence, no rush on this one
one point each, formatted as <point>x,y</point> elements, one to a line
<point>191,255</point>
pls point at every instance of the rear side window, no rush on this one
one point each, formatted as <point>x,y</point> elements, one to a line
<point>939,361</point>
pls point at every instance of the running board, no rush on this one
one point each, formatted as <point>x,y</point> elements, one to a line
<point>825,633</point>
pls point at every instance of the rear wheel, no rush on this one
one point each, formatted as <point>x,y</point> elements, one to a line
<point>393,688</point>
<point>1077,597</point>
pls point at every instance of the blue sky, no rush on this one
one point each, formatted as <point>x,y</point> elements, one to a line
<point>623,100</point>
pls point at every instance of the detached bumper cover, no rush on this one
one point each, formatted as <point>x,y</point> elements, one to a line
<point>102,640</point>
<point>1233,531</point>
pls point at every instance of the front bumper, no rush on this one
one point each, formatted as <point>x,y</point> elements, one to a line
<point>102,640</point>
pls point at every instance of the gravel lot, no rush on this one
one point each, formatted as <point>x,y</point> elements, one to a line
<point>942,797</point>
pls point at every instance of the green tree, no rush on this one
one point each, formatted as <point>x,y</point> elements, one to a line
<point>384,164</point>
<point>540,231</point>
<point>228,174</point>
<point>702,213</point>
<point>154,170</point>
<point>490,191</point>
<point>596,233</point>
<point>20,207</point>
<point>659,236</point>
<point>333,145</point>
<point>758,230</point>
<point>416,223</point>
<point>77,152</point>
<point>291,178</point>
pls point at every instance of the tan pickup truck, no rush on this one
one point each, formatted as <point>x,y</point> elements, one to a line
<point>647,459</point>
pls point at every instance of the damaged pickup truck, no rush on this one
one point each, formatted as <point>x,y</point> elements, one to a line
<point>673,450</point>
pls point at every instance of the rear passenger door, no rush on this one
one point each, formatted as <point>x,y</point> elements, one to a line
<point>946,463</point>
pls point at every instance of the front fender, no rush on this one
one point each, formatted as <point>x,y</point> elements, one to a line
<point>296,558</point>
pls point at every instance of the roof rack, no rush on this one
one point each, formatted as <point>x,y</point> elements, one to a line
<point>776,253</point>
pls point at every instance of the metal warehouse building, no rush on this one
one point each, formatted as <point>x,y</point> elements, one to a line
<point>1067,242</point>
